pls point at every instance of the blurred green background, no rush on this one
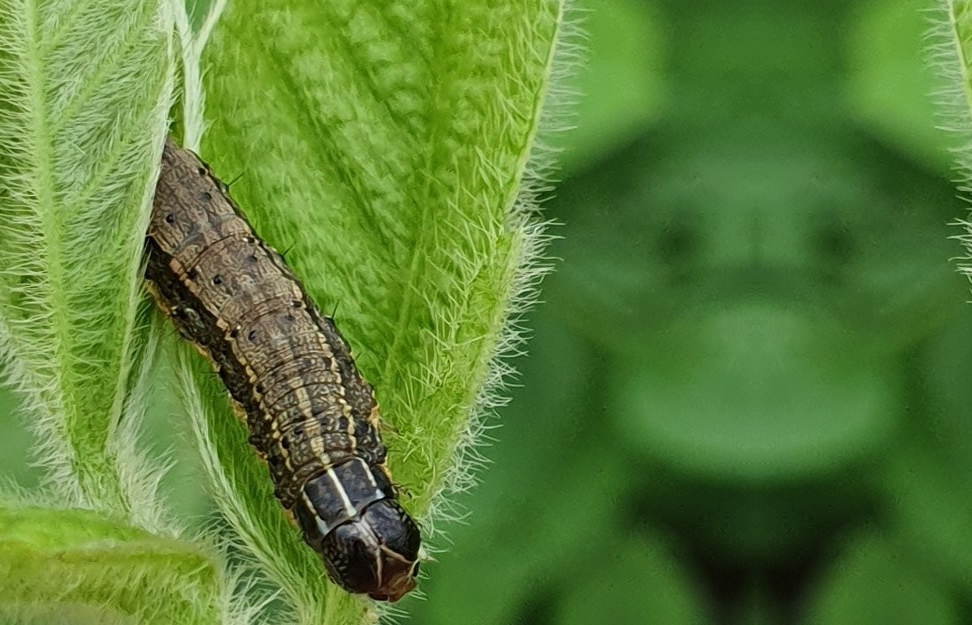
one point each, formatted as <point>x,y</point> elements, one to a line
<point>746,398</point>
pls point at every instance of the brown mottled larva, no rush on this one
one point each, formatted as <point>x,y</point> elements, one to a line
<point>286,366</point>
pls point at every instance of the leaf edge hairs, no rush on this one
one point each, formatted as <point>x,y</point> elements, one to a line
<point>290,376</point>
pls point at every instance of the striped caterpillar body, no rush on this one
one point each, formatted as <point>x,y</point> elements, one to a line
<point>288,370</point>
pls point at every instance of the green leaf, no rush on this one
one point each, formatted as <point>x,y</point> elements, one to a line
<point>84,94</point>
<point>820,414</point>
<point>930,512</point>
<point>56,561</point>
<point>389,149</point>
<point>621,570</point>
<point>543,541</point>
<point>871,583</point>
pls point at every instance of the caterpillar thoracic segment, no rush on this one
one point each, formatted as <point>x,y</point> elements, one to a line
<point>288,370</point>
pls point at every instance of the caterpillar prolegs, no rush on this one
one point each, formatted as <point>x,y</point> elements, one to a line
<point>287,368</point>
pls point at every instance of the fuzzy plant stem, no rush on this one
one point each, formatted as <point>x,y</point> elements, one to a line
<point>950,52</point>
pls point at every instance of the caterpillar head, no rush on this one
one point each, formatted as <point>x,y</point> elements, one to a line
<point>369,543</point>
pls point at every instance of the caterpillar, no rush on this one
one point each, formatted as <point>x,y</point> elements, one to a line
<point>290,376</point>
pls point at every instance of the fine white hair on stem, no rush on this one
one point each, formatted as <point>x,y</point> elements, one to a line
<point>948,52</point>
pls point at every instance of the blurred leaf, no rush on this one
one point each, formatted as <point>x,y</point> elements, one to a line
<point>523,519</point>
<point>753,393</point>
<point>872,583</point>
<point>630,580</point>
<point>533,546</point>
<point>931,512</point>
<point>756,526</point>
<point>543,424</point>
<point>621,85</point>
<point>945,397</point>
<point>889,83</point>
<point>548,416</point>
<point>802,222</point>
<point>756,337</point>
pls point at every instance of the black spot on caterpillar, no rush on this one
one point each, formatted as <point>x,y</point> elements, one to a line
<point>288,371</point>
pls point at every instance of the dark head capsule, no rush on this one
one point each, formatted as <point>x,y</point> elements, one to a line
<point>369,543</point>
